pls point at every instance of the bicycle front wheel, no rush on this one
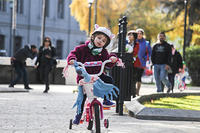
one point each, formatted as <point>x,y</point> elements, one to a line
<point>97,118</point>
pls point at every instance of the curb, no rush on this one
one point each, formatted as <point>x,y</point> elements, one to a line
<point>139,111</point>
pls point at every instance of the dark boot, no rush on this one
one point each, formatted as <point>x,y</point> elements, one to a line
<point>11,86</point>
<point>46,90</point>
<point>26,86</point>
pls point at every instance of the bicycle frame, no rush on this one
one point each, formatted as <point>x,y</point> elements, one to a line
<point>91,84</point>
<point>88,86</point>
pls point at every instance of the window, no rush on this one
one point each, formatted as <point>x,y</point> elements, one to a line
<point>60,10</point>
<point>3,5</point>
<point>2,42</point>
<point>18,43</point>
<point>47,8</point>
<point>59,47</point>
<point>2,46</point>
<point>20,6</point>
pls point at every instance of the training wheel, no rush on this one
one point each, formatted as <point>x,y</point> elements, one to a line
<point>70,124</point>
<point>90,125</point>
<point>106,123</point>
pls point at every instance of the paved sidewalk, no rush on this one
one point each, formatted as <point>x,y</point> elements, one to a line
<point>36,112</point>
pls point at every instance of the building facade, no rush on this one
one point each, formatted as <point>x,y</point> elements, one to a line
<point>60,26</point>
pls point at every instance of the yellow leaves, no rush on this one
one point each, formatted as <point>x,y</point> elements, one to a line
<point>108,13</point>
<point>177,26</point>
<point>196,34</point>
<point>178,30</point>
<point>80,10</point>
<point>196,28</point>
<point>144,14</point>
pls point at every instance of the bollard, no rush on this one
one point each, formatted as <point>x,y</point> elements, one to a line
<point>119,73</point>
<point>123,77</point>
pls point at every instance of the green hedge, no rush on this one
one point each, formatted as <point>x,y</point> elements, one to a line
<point>192,59</point>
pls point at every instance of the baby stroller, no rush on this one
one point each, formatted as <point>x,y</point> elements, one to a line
<point>180,81</point>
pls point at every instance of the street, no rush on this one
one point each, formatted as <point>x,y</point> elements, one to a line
<point>36,112</point>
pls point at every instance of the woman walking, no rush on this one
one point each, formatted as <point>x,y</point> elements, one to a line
<point>46,61</point>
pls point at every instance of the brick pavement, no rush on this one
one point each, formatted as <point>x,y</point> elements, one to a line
<point>35,112</point>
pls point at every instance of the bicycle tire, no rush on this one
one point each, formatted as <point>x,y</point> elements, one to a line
<point>97,118</point>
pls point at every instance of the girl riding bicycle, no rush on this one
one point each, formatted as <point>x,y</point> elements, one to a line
<point>94,50</point>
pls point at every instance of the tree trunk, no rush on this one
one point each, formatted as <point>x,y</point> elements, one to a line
<point>188,37</point>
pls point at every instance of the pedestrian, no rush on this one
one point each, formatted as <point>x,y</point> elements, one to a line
<point>161,57</point>
<point>94,50</point>
<point>19,63</point>
<point>176,65</point>
<point>131,47</point>
<point>45,61</point>
<point>132,36</point>
<point>142,53</point>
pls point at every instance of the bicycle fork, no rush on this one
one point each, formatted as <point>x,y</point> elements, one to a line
<point>95,101</point>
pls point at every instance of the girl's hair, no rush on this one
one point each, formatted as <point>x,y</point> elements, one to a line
<point>100,33</point>
<point>135,35</point>
<point>47,39</point>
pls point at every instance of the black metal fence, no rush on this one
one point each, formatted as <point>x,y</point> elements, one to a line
<point>123,77</point>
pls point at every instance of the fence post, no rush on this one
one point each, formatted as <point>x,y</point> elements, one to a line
<point>122,42</point>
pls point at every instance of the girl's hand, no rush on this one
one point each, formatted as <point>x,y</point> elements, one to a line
<point>113,59</point>
<point>71,62</point>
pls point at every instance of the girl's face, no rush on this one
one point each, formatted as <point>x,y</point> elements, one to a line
<point>140,35</point>
<point>100,40</point>
<point>46,43</point>
<point>131,37</point>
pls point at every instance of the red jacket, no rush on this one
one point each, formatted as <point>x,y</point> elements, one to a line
<point>137,62</point>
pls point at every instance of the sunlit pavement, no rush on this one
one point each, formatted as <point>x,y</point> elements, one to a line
<point>36,112</point>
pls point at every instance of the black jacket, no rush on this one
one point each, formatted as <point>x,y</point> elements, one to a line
<point>22,54</point>
<point>161,54</point>
<point>42,59</point>
<point>176,62</point>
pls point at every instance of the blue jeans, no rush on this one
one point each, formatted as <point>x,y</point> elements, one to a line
<point>160,75</point>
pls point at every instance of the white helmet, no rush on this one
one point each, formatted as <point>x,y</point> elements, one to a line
<point>132,32</point>
<point>105,31</point>
<point>140,29</point>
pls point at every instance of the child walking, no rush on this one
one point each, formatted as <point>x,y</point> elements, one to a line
<point>94,50</point>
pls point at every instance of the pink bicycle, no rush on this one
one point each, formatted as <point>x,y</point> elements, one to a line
<point>93,87</point>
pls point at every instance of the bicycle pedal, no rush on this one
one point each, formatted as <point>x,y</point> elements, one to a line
<point>106,108</point>
<point>81,121</point>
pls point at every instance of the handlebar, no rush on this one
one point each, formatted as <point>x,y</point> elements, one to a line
<point>94,63</point>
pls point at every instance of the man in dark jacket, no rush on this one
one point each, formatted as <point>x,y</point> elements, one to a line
<point>161,56</point>
<point>176,65</point>
<point>19,63</point>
